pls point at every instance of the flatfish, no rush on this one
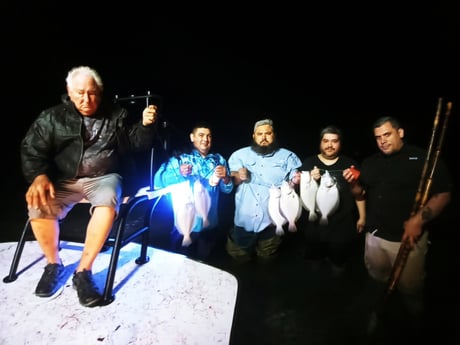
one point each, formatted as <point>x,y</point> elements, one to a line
<point>202,201</point>
<point>184,210</point>
<point>327,197</point>
<point>290,205</point>
<point>274,210</point>
<point>307,190</point>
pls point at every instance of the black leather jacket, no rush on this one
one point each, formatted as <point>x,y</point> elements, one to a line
<point>53,145</point>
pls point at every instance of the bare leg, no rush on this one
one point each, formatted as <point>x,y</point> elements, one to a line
<point>97,232</point>
<point>46,232</point>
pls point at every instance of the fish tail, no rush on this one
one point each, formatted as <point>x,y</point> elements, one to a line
<point>279,231</point>
<point>186,241</point>
<point>292,227</point>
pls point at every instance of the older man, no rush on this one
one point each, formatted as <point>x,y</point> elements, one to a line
<point>72,151</point>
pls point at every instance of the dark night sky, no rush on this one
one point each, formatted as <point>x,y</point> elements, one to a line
<point>232,64</point>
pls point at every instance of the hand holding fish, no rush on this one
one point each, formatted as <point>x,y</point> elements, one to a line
<point>315,173</point>
<point>295,180</point>
<point>243,174</point>
<point>240,176</point>
<point>219,173</point>
<point>185,169</point>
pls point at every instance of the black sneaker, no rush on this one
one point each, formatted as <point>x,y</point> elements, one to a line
<point>86,288</point>
<point>50,282</point>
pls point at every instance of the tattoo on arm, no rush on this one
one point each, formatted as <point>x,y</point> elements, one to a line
<point>427,214</point>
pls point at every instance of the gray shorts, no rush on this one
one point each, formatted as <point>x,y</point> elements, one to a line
<point>103,190</point>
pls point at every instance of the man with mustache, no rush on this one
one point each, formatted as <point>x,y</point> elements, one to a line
<point>334,241</point>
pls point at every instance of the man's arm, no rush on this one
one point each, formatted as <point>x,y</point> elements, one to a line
<point>413,227</point>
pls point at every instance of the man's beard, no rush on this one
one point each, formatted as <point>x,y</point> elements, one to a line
<point>263,150</point>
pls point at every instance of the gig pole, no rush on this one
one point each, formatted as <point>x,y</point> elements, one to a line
<point>422,194</point>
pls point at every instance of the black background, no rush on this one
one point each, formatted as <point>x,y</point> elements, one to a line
<point>305,66</point>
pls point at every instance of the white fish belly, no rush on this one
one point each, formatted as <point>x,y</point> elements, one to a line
<point>274,210</point>
<point>185,216</point>
<point>307,191</point>
<point>290,205</point>
<point>184,210</point>
<point>327,198</point>
<point>202,201</point>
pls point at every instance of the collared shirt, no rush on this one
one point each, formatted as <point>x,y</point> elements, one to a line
<point>251,197</point>
<point>391,183</point>
<point>202,168</point>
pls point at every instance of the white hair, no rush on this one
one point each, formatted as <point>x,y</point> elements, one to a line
<point>87,71</point>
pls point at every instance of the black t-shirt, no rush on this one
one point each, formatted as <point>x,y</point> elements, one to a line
<point>347,209</point>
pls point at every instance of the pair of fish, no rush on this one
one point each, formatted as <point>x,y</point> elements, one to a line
<point>284,207</point>
<point>319,200</point>
<point>190,200</point>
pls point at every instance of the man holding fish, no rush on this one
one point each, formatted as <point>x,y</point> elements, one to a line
<point>334,216</point>
<point>256,169</point>
<point>199,176</point>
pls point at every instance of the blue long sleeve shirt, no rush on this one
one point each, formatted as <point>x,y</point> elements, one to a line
<point>202,168</point>
<point>251,197</point>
